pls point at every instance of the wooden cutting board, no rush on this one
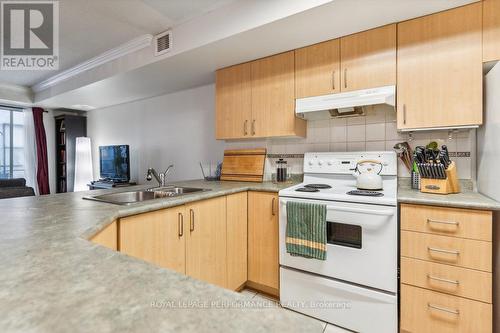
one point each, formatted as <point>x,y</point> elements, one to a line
<point>245,165</point>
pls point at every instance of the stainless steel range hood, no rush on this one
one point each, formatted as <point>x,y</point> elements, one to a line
<point>348,104</point>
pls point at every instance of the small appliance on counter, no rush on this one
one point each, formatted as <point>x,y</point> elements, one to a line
<point>282,171</point>
<point>438,174</point>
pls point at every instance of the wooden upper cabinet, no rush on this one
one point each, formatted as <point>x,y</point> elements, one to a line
<point>368,59</point>
<point>273,97</point>
<point>440,69</point>
<point>206,241</point>
<point>157,237</point>
<point>491,30</point>
<point>257,99</point>
<point>317,69</point>
<point>233,102</point>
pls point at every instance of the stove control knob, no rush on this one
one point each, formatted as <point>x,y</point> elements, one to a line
<point>311,163</point>
<point>320,162</point>
<point>330,162</point>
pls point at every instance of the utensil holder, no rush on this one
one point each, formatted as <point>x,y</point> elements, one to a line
<point>442,186</point>
<point>415,180</point>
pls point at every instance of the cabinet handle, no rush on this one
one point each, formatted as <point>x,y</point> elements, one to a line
<point>430,277</point>
<point>191,220</point>
<point>440,308</point>
<point>454,252</point>
<point>245,126</point>
<point>404,114</point>
<point>443,222</point>
<point>345,78</point>
<point>253,127</point>
<point>272,206</point>
<point>333,80</point>
<point>180,222</point>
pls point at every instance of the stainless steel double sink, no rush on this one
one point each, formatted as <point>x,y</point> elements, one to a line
<point>127,198</point>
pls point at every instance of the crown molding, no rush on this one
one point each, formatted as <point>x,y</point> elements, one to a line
<point>135,44</point>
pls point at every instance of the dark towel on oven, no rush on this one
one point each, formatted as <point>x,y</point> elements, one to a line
<point>306,230</point>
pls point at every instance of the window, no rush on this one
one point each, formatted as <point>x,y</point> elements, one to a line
<point>11,143</point>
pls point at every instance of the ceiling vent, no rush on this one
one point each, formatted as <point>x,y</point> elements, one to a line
<point>163,43</point>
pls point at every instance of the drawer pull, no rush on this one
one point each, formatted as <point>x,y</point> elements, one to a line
<point>433,249</point>
<point>443,280</point>
<point>439,308</point>
<point>443,222</point>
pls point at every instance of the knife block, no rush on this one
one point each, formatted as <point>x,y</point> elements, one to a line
<point>442,186</point>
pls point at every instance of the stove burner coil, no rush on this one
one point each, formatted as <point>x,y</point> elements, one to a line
<point>366,193</point>
<point>318,186</point>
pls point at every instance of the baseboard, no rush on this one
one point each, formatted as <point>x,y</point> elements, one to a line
<point>263,289</point>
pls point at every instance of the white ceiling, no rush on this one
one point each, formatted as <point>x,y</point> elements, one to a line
<point>196,66</point>
<point>90,27</point>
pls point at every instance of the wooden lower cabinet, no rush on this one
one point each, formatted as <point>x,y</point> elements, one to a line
<point>237,240</point>
<point>263,245</point>
<point>427,311</point>
<point>158,237</point>
<point>230,241</point>
<point>446,270</point>
<point>206,241</point>
<point>107,237</point>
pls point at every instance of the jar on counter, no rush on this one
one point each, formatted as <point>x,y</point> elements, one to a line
<point>281,170</point>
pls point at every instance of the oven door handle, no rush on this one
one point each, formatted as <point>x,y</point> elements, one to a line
<point>384,212</point>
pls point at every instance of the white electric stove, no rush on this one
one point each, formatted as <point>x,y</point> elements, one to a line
<point>356,286</point>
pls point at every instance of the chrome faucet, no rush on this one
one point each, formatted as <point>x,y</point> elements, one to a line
<point>161,178</point>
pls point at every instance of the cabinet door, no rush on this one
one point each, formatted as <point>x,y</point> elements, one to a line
<point>273,97</point>
<point>368,59</point>
<point>491,30</point>
<point>263,237</point>
<point>206,241</point>
<point>107,237</point>
<point>317,69</point>
<point>237,240</point>
<point>157,237</point>
<point>440,69</point>
<point>233,102</point>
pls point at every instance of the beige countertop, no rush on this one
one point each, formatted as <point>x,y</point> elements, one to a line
<point>54,280</point>
<point>466,199</point>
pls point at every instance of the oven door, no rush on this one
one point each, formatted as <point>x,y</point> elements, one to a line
<point>361,244</point>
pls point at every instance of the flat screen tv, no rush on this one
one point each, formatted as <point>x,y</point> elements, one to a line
<point>114,162</point>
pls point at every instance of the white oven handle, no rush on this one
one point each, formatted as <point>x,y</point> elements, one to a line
<point>384,212</point>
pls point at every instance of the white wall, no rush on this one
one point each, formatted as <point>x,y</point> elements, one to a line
<point>488,138</point>
<point>177,129</point>
<point>488,159</point>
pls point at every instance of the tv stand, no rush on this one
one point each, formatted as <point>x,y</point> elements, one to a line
<point>108,183</point>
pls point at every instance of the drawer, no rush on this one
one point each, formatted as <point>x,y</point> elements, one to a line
<point>461,252</point>
<point>453,280</point>
<point>464,223</point>
<point>425,311</point>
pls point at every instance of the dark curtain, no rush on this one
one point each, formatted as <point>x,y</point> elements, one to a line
<point>42,173</point>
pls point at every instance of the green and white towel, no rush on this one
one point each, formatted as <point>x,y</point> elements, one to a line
<point>306,230</point>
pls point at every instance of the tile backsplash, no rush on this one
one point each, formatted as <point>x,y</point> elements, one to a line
<point>375,131</point>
